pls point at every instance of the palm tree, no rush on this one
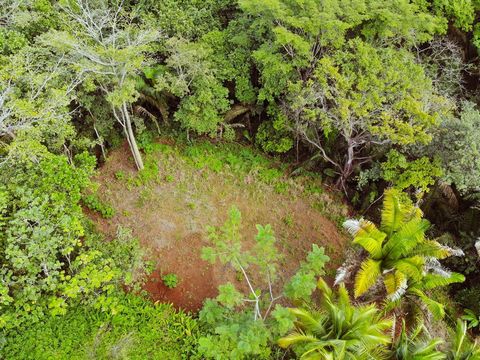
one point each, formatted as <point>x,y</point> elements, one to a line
<point>338,330</point>
<point>399,253</point>
<point>462,348</point>
<point>416,345</point>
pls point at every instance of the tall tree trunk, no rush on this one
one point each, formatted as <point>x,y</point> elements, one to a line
<point>137,156</point>
<point>347,170</point>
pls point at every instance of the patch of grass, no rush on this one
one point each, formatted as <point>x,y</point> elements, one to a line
<point>288,220</point>
<point>313,189</point>
<point>269,175</point>
<point>319,206</point>
<point>150,172</point>
<point>281,187</point>
<point>144,196</point>
<point>120,175</point>
<point>236,162</point>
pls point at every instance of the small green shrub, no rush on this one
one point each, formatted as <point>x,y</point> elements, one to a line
<point>170,280</point>
<point>94,203</point>
<point>403,173</point>
<point>146,142</point>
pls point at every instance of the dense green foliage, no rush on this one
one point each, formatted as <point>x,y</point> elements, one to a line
<point>366,94</point>
<point>142,330</point>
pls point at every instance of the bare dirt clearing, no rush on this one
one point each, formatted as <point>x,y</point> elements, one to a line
<point>182,190</point>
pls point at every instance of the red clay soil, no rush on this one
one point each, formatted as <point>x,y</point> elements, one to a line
<point>173,231</point>
<point>196,278</point>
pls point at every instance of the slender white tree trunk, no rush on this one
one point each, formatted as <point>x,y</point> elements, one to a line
<point>137,156</point>
<point>347,167</point>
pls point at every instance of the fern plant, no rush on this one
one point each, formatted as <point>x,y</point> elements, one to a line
<point>400,254</point>
<point>338,329</point>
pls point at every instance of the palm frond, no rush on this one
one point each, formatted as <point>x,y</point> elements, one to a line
<point>392,213</point>
<point>412,267</point>
<point>324,288</point>
<point>362,227</point>
<point>236,111</point>
<point>352,226</point>
<point>156,100</point>
<point>348,331</point>
<point>460,338</point>
<point>431,281</point>
<point>367,276</point>
<point>409,235</point>
<point>343,296</point>
<point>141,111</point>
<point>295,338</point>
<point>373,246</point>
<point>431,248</point>
<point>437,309</point>
<point>416,345</point>
<point>308,320</point>
<point>396,285</point>
<point>341,274</point>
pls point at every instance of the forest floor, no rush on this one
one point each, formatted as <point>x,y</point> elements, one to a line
<point>185,188</point>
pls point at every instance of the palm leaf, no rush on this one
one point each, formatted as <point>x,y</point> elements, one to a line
<point>395,283</point>
<point>308,320</point>
<point>437,309</point>
<point>463,348</point>
<point>367,276</point>
<point>295,338</point>
<point>324,288</point>
<point>417,345</point>
<point>428,350</point>
<point>460,338</point>
<point>371,244</point>
<point>409,235</point>
<point>317,352</point>
<point>432,248</point>
<point>392,214</point>
<point>368,228</point>
<point>235,111</point>
<point>412,267</point>
<point>343,296</point>
<point>431,281</point>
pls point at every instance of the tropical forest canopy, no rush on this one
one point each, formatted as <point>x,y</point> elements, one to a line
<point>375,100</point>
